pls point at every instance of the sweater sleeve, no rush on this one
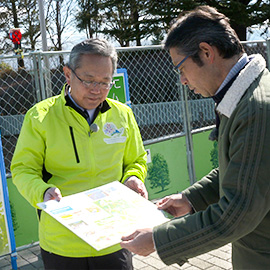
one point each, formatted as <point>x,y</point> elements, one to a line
<point>244,190</point>
<point>204,192</point>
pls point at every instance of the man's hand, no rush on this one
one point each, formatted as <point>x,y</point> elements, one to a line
<point>137,185</point>
<point>140,242</point>
<point>52,194</point>
<point>176,204</point>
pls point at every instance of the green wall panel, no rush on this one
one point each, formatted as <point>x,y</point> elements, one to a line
<point>174,153</point>
<point>202,148</point>
<point>24,217</point>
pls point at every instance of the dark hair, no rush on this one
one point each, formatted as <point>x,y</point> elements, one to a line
<point>92,46</point>
<point>203,24</point>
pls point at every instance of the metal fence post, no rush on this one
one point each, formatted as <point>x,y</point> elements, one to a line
<point>48,82</point>
<point>188,135</point>
<point>268,51</point>
<point>36,75</point>
<point>41,77</point>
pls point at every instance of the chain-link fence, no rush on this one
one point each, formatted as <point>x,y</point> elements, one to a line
<point>162,107</point>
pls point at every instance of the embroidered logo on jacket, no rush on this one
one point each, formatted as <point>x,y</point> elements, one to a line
<point>115,134</point>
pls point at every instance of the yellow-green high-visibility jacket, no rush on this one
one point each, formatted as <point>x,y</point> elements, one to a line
<point>57,139</point>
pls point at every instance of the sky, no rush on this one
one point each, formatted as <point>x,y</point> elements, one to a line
<point>256,35</point>
<point>72,37</point>
<point>78,37</point>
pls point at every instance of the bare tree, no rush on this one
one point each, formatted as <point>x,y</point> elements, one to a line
<point>4,26</point>
<point>21,14</point>
<point>59,21</point>
<point>12,12</point>
<point>31,22</point>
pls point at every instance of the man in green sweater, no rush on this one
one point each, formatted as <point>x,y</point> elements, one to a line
<point>232,203</point>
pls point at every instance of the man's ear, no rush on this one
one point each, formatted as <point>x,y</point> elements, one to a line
<point>207,52</point>
<point>67,73</point>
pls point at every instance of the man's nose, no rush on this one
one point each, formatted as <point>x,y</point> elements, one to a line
<point>95,88</point>
<point>183,80</point>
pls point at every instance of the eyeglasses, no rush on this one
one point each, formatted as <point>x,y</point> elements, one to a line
<point>176,68</point>
<point>88,84</point>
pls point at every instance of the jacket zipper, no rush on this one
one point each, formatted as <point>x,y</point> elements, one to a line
<point>74,144</point>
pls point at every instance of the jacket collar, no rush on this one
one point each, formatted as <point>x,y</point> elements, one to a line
<point>102,107</point>
<point>245,78</point>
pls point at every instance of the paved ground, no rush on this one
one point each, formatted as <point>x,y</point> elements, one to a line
<point>219,259</point>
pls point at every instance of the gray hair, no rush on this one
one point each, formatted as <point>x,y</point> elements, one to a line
<point>92,46</point>
<point>203,24</point>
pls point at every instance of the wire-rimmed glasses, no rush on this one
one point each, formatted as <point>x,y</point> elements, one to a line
<point>176,68</point>
<point>88,84</point>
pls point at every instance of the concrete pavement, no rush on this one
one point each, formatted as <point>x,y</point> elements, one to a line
<point>219,259</point>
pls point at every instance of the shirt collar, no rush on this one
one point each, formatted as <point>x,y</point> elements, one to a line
<point>235,69</point>
<point>102,107</point>
<point>71,98</point>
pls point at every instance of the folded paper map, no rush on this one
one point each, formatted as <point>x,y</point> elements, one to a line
<point>101,216</point>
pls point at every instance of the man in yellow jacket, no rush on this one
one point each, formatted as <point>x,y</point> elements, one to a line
<point>76,141</point>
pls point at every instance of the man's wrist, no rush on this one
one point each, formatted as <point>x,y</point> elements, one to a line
<point>192,211</point>
<point>129,178</point>
<point>153,239</point>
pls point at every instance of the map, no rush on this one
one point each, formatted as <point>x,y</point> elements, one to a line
<point>101,216</point>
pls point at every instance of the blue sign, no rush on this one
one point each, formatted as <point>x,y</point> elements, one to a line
<point>7,239</point>
<point>120,89</point>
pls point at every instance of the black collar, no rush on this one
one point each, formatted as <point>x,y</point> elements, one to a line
<point>219,96</point>
<point>102,107</point>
